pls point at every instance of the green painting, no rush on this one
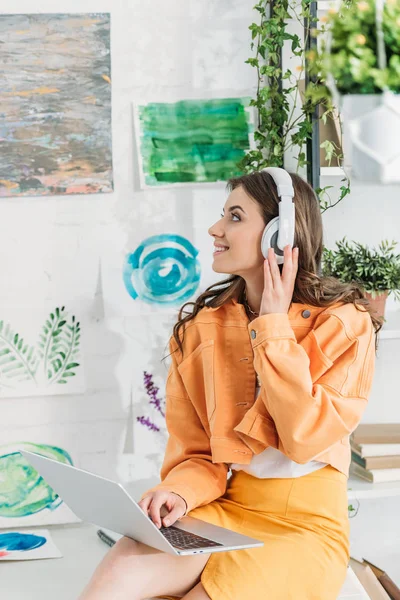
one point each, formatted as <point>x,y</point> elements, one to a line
<point>48,366</point>
<point>25,498</point>
<point>193,141</point>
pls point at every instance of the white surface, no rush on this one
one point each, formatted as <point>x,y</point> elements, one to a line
<point>361,489</point>
<point>82,550</point>
<point>391,328</point>
<point>331,172</point>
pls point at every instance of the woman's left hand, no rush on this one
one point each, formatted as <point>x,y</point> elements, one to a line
<point>278,289</point>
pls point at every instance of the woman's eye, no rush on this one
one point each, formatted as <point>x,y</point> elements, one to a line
<point>232,215</point>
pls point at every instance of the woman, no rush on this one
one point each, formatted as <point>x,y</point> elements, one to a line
<point>270,373</point>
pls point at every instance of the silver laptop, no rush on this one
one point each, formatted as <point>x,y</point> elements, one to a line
<point>107,503</point>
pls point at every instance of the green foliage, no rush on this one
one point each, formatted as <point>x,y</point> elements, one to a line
<point>56,352</point>
<point>278,129</point>
<point>59,347</point>
<point>18,360</point>
<point>376,270</point>
<point>353,57</point>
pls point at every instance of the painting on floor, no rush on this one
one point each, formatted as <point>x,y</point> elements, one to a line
<point>40,354</point>
<point>56,104</point>
<point>192,142</point>
<point>27,545</point>
<point>25,498</point>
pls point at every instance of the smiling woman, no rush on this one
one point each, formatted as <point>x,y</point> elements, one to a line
<point>285,439</point>
<point>252,203</point>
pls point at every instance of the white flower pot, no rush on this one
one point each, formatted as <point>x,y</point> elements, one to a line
<point>371,137</point>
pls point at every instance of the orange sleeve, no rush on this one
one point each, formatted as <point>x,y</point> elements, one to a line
<point>187,468</point>
<point>315,391</point>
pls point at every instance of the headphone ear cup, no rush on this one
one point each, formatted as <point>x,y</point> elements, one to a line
<point>270,240</point>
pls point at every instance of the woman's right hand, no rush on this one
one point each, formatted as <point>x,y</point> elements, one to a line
<point>164,506</point>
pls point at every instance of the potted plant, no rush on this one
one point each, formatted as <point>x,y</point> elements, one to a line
<point>378,271</point>
<point>359,57</point>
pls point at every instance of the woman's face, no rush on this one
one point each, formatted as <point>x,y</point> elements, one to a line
<point>237,236</point>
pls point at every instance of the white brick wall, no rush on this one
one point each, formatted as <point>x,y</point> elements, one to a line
<point>50,247</point>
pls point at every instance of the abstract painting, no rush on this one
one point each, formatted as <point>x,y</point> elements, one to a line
<point>163,269</point>
<point>155,276</point>
<point>25,498</point>
<point>55,101</point>
<point>52,365</point>
<point>27,545</point>
<point>192,141</point>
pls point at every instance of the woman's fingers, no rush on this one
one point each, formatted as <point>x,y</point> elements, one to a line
<point>287,264</point>
<point>155,508</point>
<point>176,513</point>
<point>267,275</point>
<point>145,503</point>
<point>273,267</point>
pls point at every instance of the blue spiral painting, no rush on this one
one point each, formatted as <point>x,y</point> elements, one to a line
<point>164,269</point>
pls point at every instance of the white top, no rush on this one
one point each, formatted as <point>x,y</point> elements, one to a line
<point>273,463</point>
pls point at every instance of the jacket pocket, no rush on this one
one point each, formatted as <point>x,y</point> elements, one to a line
<point>197,372</point>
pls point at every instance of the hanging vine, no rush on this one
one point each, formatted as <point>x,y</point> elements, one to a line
<point>279,130</point>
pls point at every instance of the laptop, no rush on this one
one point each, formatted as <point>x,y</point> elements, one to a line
<point>106,503</point>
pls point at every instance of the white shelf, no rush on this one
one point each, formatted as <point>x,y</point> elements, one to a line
<point>391,328</point>
<point>362,489</point>
<point>331,172</point>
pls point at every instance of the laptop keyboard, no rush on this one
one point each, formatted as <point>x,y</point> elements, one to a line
<point>184,540</point>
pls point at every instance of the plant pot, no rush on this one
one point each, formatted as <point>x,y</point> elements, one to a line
<point>371,136</point>
<point>378,304</point>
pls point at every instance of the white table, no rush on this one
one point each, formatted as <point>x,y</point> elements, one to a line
<point>64,578</point>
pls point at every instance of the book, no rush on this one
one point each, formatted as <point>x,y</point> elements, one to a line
<point>377,433</point>
<point>366,450</point>
<point>391,588</point>
<point>374,475</point>
<point>368,580</point>
<point>377,462</point>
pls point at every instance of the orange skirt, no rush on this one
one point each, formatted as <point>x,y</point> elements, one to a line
<point>303,522</point>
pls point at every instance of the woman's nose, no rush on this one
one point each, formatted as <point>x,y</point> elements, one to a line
<point>216,230</point>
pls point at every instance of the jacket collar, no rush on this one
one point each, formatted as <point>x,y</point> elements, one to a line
<point>294,310</point>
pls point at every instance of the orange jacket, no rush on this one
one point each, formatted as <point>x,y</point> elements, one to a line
<point>316,368</point>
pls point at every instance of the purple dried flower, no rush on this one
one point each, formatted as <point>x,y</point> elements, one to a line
<point>149,424</point>
<point>152,392</point>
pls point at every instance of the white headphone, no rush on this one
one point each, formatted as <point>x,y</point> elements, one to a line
<point>280,231</point>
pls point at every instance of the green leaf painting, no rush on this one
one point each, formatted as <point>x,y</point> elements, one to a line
<point>193,141</point>
<point>52,362</point>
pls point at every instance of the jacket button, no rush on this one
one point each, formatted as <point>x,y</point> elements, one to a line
<point>253,334</point>
<point>306,314</point>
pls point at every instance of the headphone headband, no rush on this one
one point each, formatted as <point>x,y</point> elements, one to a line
<point>282,180</point>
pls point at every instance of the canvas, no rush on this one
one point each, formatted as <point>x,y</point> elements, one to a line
<point>192,142</point>
<point>25,498</point>
<point>27,545</point>
<point>56,104</point>
<point>40,352</point>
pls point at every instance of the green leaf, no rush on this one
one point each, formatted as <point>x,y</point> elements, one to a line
<point>72,365</point>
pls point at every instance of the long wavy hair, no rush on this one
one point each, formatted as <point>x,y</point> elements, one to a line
<point>310,286</point>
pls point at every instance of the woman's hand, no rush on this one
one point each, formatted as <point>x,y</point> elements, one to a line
<point>154,503</point>
<point>278,290</point>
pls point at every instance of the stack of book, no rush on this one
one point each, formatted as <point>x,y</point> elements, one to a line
<point>375,452</point>
<point>376,582</point>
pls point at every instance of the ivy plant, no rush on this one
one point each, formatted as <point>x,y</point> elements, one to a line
<point>278,129</point>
